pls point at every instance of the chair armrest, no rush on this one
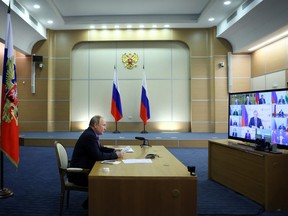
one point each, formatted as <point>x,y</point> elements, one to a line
<point>77,170</point>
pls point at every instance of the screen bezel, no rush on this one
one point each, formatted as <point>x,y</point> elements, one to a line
<point>231,99</point>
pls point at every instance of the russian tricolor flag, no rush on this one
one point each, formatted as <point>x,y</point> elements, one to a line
<point>244,116</point>
<point>257,98</point>
<point>274,97</point>
<point>144,107</point>
<point>116,108</point>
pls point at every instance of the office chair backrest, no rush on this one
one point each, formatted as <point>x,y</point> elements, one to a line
<point>62,156</point>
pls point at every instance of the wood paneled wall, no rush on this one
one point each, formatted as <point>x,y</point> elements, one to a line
<point>49,108</point>
<point>271,58</point>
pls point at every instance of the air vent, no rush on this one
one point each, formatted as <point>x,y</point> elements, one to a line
<point>33,20</point>
<point>231,17</point>
<point>22,9</point>
<point>245,4</point>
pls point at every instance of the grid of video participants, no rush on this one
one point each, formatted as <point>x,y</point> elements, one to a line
<point>259,115</point>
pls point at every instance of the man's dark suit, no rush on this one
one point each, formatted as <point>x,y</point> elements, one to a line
<point>247,135</point>
<point>86,152</point>
<point>262,101</point>
<point>257,124</point>
<point>281,101</point>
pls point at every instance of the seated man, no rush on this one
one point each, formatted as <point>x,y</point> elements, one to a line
<point>88,150</point>
<point>255,122</point>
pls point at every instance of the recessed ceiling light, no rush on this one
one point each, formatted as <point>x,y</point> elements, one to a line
<point>167,26</point>
<point>141,26</point>
<point>116,26</point>
<point>50,21</point>
<point>129,26</point>
<point>211,19</point>
<point>91,26</point>
<point>36,6</point>
<point>227,2</point>
<point>104,26</point>
<point>154,26</point>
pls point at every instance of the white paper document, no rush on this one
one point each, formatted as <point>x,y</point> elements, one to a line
<point>133,161</point>
<point>126,149</point>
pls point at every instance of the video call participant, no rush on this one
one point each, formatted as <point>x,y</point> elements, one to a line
<point>247,135</point>
<point>262,100</point>
<point>88,150</point>
<point>255,121</point>
<point>281,100</point>
<point>248,101</point>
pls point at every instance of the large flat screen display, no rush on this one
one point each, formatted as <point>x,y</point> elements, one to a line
<point>259,115</point>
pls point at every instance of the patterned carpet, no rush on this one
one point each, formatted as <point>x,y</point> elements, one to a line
<point>36,187</point>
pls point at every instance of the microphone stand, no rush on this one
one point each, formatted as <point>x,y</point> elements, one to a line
<point>145,143</point>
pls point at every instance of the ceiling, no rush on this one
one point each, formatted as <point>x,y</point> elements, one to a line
<point>243,22</point>
<point>76,14</point>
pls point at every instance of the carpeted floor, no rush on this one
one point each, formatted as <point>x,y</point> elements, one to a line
<point>36,187</point>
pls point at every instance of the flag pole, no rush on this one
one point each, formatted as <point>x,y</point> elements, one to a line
<point>144,131</point>
<point>4,192</point>
<point>116,130</point>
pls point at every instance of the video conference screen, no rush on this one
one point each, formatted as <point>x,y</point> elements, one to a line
<point>259,115</point>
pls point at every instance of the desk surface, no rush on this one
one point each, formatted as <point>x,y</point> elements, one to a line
<point>164,166</point>
<point>163,187</point>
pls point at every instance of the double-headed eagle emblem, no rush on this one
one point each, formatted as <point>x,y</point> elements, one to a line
<point>129,60</point>
<point>10,108</point>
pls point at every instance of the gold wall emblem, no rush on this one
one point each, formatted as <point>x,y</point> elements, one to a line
<point>129,60</point>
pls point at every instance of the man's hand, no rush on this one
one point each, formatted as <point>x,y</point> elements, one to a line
<point>120,154</point>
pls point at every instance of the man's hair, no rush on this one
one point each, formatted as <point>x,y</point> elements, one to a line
<point>95,120</point>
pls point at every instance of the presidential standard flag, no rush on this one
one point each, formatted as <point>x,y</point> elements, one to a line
<point>116,108</point>
<point>144,106</point>
<point>9,142</point>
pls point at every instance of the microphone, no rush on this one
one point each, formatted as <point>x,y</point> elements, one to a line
<point>145,141</point>
<point>140,138</point>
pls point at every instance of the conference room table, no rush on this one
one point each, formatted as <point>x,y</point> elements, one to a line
<point>137,186</point>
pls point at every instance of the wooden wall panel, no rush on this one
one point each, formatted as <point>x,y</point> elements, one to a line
<point>60,68</point>
<point>200,88</point>
<point>33,126</point>
<point>221,88</point>
<point>202,127</point>
<point>59,89</point>
<point>59,112</point>
<point>33,110</point>
<point>201,111</point>
<point>58,126</point>
<point>24,89</point>
<point>200,67</point>
<point>258,63</point>
<point>275,56</point>
<point>241,72</point>
<point>242,84</point>
<point>196,39</point>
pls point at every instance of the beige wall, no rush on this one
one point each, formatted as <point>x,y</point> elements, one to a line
<point>49,108</point>
<point>271,58</point>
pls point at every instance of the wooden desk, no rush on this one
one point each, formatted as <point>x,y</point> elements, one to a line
<point>162,188</point>
<point>260,176</point>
